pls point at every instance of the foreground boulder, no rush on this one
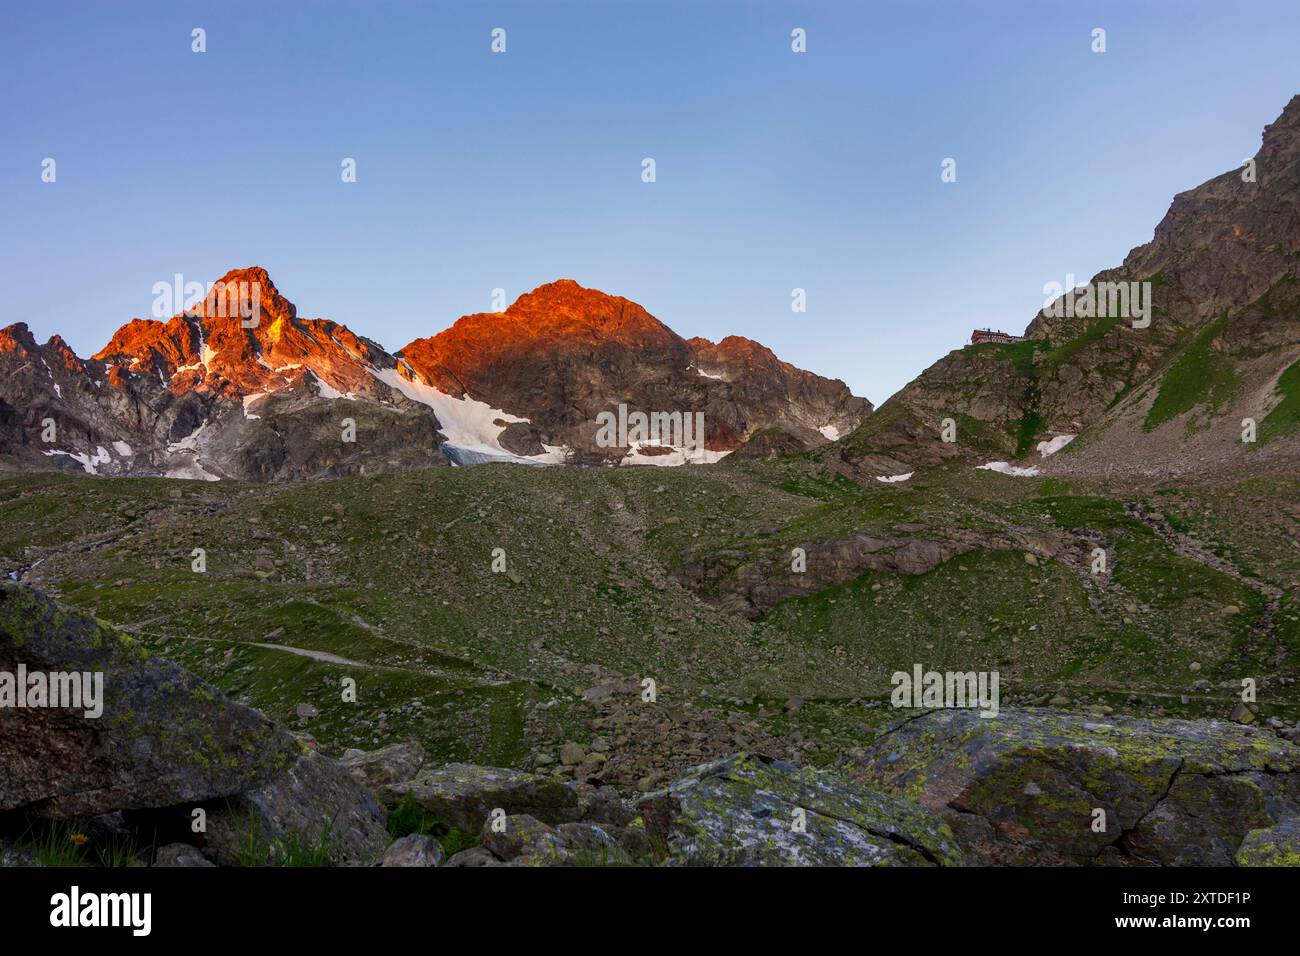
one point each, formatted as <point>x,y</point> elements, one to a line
<point>164,737</point>
<point>413,850</point>
<point>464,795</point>
<point>181,855</point>
<point>167,741</point>
<point>521,840</point>
<point>1273,846</point>
<point>315,810</point>
<point>386,766</point>
<point>742,811</point>
<point>1042,787</point>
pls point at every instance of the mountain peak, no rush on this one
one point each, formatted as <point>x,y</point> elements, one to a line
<point>565,300</point>
<point>248,286</point>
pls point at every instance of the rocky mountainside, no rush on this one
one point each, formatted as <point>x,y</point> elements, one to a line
<point>563,354</point>
<point>1141,392</point>
<point>211,394</point>
<point>240,386</point>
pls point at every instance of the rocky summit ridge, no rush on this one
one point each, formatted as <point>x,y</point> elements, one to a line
<point>238,385</point>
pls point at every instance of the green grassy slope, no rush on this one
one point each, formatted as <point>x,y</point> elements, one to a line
<point>388,581</point>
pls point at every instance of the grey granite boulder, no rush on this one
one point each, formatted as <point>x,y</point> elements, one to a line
<point>1044,787</point>
<point>314,810</point>
<point>387,765</point>
<point>747,810</point>
<point>413,850</point>
<point>463,795</point>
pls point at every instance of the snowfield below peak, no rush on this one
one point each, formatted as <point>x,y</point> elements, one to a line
<point>470,426</point>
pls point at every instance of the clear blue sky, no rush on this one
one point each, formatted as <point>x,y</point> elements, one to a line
<point>475,170</point>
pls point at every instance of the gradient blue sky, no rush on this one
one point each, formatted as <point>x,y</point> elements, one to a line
<point>476,170</point>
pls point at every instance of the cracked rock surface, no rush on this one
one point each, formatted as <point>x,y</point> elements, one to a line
<point>1026,787</point>
<point>742,810</point>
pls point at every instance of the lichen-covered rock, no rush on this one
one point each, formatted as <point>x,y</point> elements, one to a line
<point>603,805</point>
<point>464,795</point>
<point>1275,846</point>
<point>474,856</point>
<point>525,841</point>
<point>596,844</point>
<point>181,855</point>
<point>1031,786</point>
<point>377,769</point>
<point>413,850</point>
<point>314,808</point>
<point>164,736</point>
<point>742,810</point>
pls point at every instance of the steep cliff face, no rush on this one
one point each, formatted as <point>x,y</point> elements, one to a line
<point>1164,389</point>
<point>238,385</point>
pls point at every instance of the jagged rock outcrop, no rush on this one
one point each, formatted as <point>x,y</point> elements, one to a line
<point>212,393</point>
<point>1026,787</point>
<point>752,582</point>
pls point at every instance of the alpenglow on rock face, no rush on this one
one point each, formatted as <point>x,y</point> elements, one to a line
<point>599,350</point>
<point>213,393</point>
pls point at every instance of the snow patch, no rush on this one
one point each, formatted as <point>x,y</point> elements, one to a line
<point>326,390</point>
<point>187,463</point>
<point>704,374</point>
<point>468,425</point>
<point>1046,448</point>
<point>830,432</point>
<point>1002,468</point>
<point>123,449</point>
<point>190,442</point>
<point>890,479</point>
<point>678,456</point>
<point>58,391</point>
<point>248,402</point>
<point>89,463</point>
